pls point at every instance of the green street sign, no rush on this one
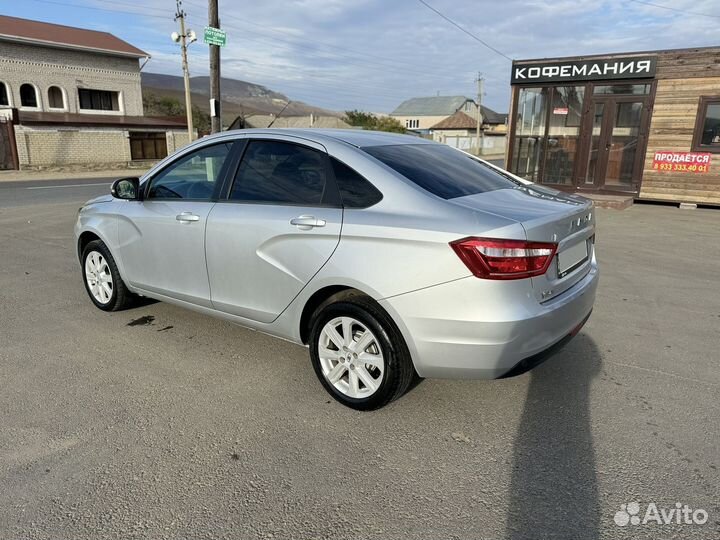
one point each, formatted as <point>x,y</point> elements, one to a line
<point>215,36</point>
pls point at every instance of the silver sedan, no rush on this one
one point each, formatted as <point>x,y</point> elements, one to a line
<point>391,257</point>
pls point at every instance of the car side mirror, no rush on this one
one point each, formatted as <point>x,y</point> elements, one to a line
<point>126,188</point>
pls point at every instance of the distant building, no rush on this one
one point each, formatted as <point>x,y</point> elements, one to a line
<point>460,131</point>
<point>71,96</point>
<point>453,120</point>
<point>422,113</point>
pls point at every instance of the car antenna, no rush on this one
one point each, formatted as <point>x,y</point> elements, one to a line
<point>280,113</point>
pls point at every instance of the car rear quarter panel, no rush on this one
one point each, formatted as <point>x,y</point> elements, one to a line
<point>402,243</point>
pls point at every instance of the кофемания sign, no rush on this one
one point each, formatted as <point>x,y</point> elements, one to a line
<point>632,67</point>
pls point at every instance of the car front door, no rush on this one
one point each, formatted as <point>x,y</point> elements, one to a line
<point>162,237</point>
<point>276,227</point>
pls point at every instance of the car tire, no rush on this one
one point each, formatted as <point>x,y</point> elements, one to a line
<point>102,279</point>
<point>360,370</point>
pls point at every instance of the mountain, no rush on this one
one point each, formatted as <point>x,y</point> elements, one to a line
<point>239,97</point>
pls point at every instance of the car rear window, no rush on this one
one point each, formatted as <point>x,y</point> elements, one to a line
<point>439,169</point>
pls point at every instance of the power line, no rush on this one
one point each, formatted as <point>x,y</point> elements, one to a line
<point>145,14</point>
<point>261,38</point>
<point>319,53</point>
<point>313,52</point>
<point>456,25</point>
<point>376,92</point>
<point>283,37</point>
<point>684,12</point>
<point>336,52</point>
<point>312,45</point>
<point>362,61</point>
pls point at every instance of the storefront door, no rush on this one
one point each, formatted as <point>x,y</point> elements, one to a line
<point>586,137</point>
<point>617,129</point>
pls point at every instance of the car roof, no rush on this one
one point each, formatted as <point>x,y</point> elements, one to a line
<point>355,137</point>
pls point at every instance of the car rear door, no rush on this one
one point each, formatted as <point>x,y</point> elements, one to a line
<point>162,237</point>
<point>277,225</point>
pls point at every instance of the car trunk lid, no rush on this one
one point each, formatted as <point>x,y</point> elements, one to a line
<point>547,216</point>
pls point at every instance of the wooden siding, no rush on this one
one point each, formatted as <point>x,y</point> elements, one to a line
<point>688,63</point>
<point>672,127</point>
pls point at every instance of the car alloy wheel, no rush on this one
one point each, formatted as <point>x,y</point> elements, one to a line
<point>99,278</point>
<point>350,357</point>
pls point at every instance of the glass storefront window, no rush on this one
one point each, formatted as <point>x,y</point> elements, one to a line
<point>622,89</point>
<point>595,142</point>
<point>530,124</point>
<point>591,134</point>
<point>707,129</point>
<point>711,125</point>
<point>563,134</point>
<point>623,143</point>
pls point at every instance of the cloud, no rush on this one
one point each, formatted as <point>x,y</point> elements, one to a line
<point>373,54</point>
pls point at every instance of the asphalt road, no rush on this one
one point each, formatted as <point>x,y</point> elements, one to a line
<point>33,192</point>
<point>161,423</point>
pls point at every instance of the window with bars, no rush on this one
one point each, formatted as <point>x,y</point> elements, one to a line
<point>147,145</point>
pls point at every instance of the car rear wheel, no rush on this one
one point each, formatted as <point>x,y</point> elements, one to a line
<point>102,278</point>
<point>358,353</point>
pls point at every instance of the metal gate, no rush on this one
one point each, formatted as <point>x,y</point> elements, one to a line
<point>8,151</point>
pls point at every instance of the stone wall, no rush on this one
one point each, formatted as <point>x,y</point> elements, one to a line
<point>42,147</point>
<point>177,139</point>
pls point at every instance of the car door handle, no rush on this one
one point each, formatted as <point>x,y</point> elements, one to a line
<point>187,217</point>
<point>307,222</point>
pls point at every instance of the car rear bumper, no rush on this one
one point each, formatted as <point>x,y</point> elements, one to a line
<point>479,329</point>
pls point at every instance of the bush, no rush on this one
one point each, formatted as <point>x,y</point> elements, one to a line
<point>370,121</point>
<point>169,106</point>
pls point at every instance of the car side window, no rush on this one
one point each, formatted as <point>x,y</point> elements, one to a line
<point>355,190</point>
<point>193,176</point>
<point>280,173</point>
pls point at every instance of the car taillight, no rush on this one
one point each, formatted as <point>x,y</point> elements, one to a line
<point>495,258</point>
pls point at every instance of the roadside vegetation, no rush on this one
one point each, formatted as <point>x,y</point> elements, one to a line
<point>155,105</point>
<point>370,121</point>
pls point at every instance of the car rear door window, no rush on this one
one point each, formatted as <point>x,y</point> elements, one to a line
<point>280,173</point>
<point>355,190</point>
<point>193,176</point>
<point>441,170</point>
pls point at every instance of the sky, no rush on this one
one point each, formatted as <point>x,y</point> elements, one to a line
<point>373,54</point>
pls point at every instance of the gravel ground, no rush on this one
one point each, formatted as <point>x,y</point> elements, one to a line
<point>162,423</point>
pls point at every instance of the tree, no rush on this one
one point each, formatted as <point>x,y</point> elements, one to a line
<point>201,120</point>
<point>155,105</point>
<point>387,123</point>
<point>370,121</point>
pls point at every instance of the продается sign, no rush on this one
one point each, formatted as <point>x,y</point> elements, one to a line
<point>693,162</point>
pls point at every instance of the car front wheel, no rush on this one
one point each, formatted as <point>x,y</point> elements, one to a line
<point>102,278</point>
<point>358,353</point>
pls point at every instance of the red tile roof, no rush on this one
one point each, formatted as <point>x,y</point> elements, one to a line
<point>56,35</point>
<point>459,120</point>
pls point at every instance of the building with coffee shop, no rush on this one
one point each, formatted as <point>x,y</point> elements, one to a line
<point>645,125</point>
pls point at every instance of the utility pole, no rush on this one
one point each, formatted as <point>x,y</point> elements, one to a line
<point>216,105</point>
<point>480,82</point>
<point>183,38</point>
